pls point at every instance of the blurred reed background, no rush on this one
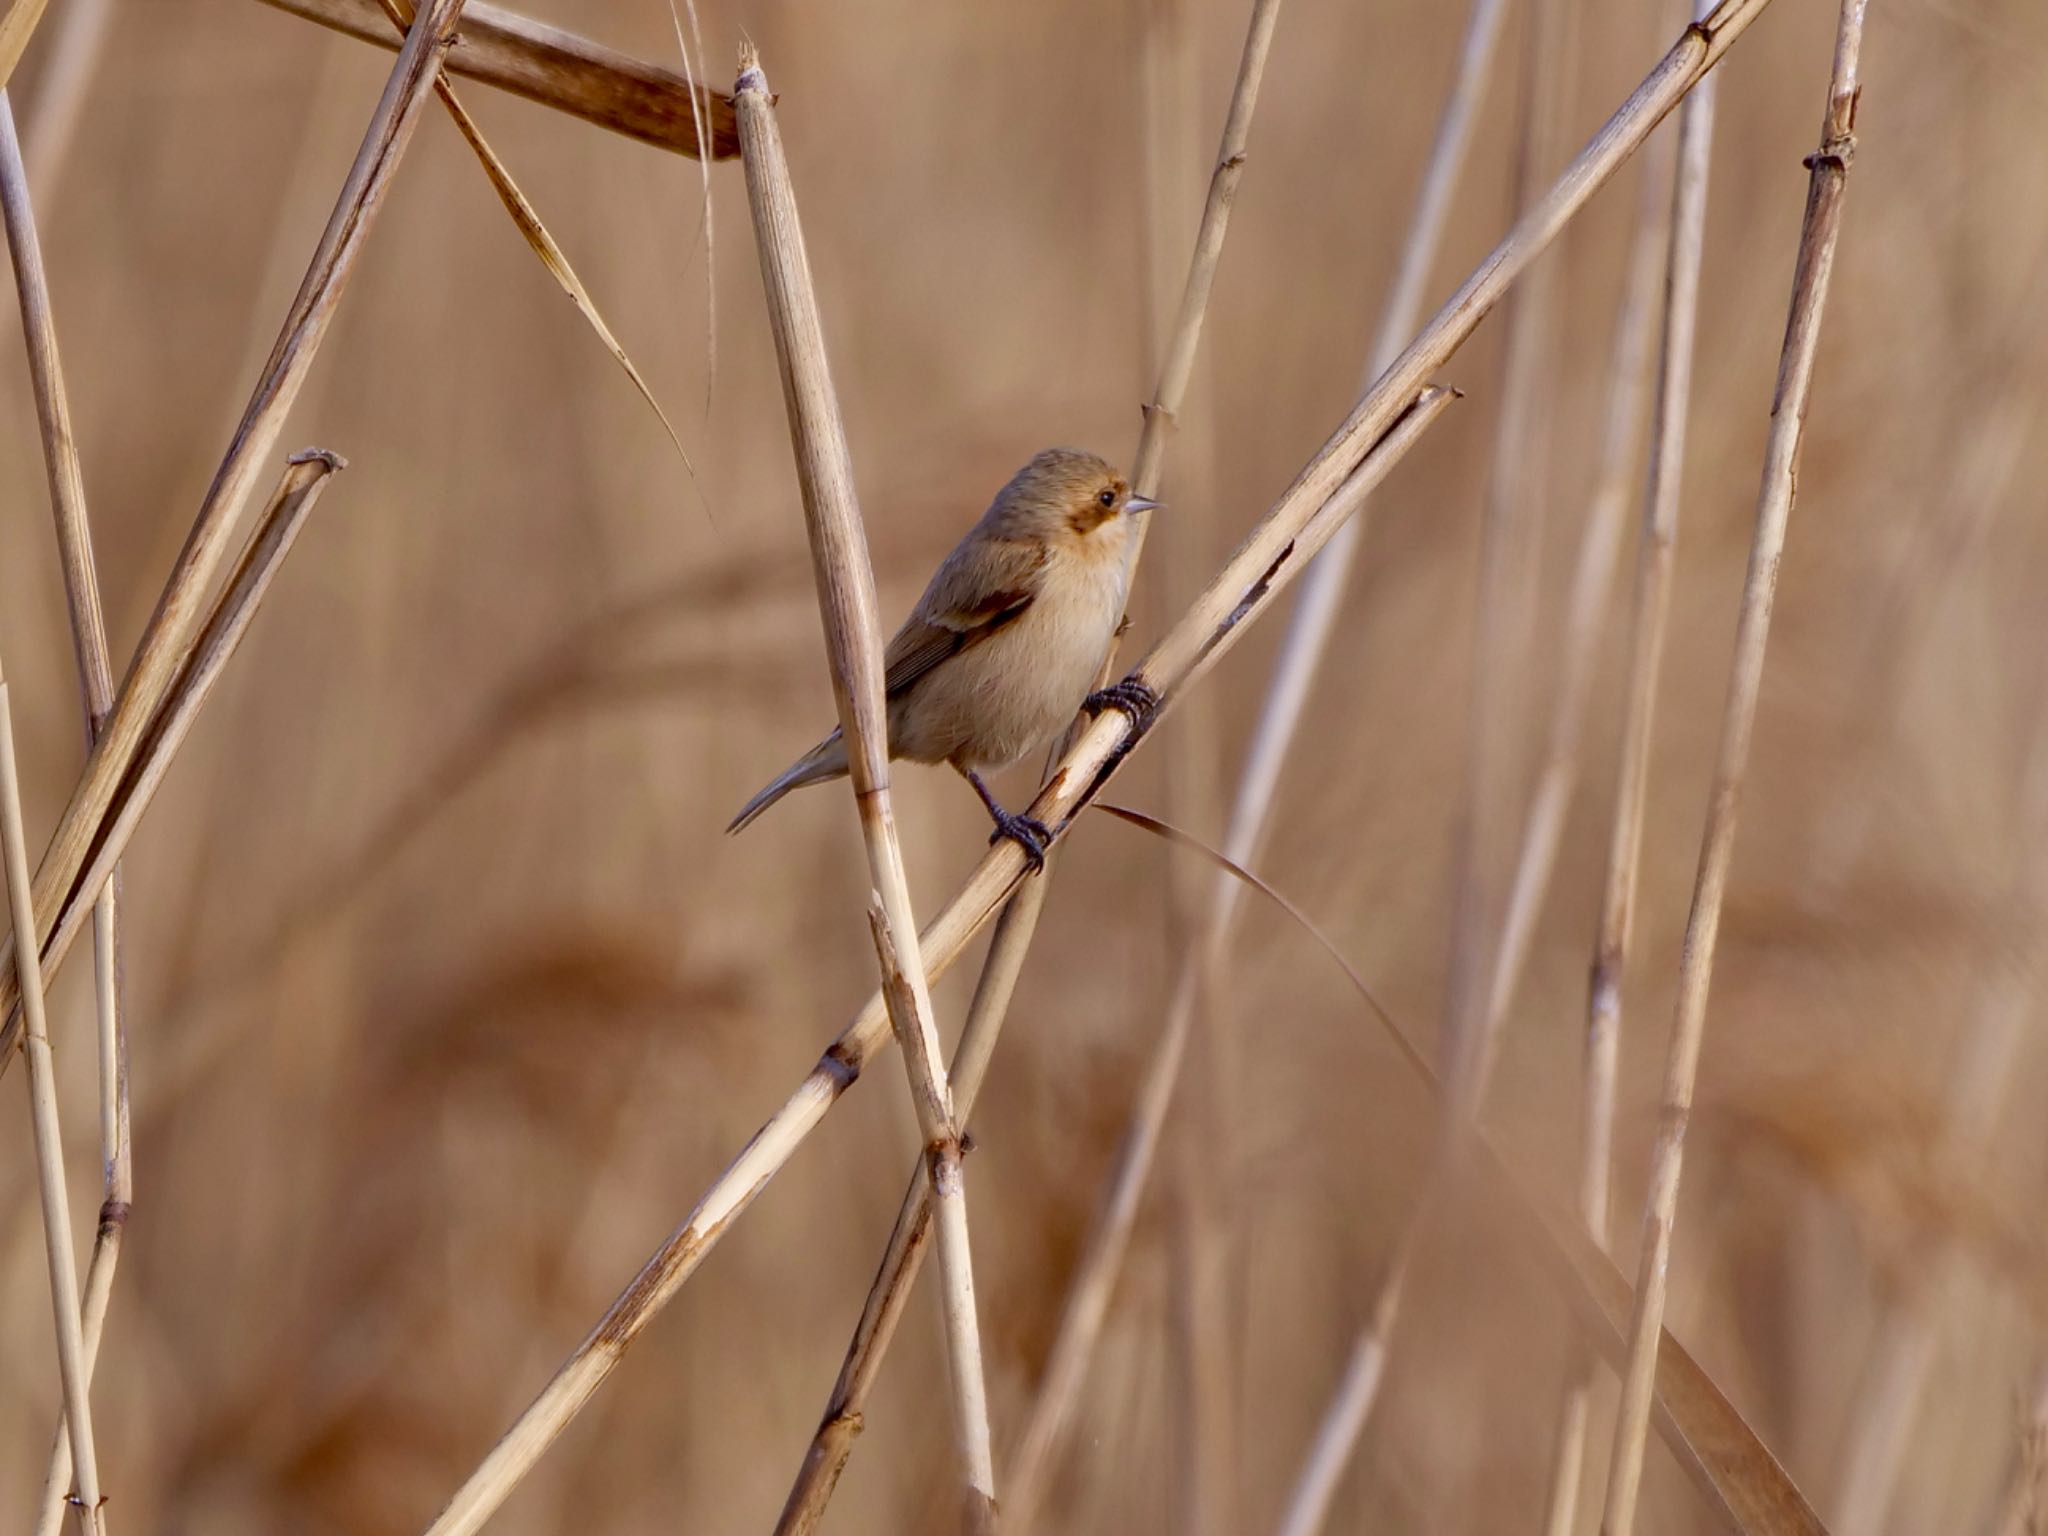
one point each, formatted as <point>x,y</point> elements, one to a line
<point>448,996</point>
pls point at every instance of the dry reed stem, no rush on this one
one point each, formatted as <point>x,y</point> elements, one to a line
<point>1598,555</point>
<point>17,26</point>
<point>1504,610</point>
<point>854,645</point>
<point>561,70</point>
<point>1351,1404</point>
<point>1364,447</point>
<point>49,1139</point>
<point>1814,266</point>
<point>1004,963</point>
<point>526,218</point>
<point>1343,1421</point>
<point>96,687</point>
<point>167,641</point>
<point>1286,698</point>
<point>1206,1435</point>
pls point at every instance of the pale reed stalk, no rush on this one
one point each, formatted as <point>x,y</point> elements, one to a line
<point>49,1137</point>
<point>854,645</point>
<point>1547,818</point>
<point>167,641</point>
<point>96,688</point>
<point>1504,608</point>
<point>1286,697</point>
<point>1819,234</point>
<point>1364,447</point>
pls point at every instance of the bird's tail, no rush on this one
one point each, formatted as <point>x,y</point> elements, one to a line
<point>827,760</point>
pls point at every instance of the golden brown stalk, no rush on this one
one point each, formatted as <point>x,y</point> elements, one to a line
<point>561,70</point>
<point>167,641</point>
<point>305,477</point>
<point>854,644</point>
<point>1004,962</point>
<point>1814,266</point>
<point>1362,449</point>
<point>49,1139</point>
<point>96,687</point>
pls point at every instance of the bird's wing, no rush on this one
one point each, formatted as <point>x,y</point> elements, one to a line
<point>981,587</point>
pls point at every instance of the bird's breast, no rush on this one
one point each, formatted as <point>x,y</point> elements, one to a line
<point>999,699</point>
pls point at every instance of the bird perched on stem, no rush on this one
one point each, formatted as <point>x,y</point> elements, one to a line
<point>1001,648</point>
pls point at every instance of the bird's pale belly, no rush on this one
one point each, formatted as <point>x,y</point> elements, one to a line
<point>997,700</point>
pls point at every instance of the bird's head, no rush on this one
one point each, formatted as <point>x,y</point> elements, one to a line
<point>1065,493</point>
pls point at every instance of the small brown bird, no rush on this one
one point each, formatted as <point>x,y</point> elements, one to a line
<point>1001,648</point>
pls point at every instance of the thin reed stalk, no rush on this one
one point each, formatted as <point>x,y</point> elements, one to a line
<point>49,1137</point>
<point>1364,447</point>
<point>1086,1309</point>
<point>854,644</point>
<point>1004,963</point>
<point>558,69</point>
<point>305,477</point>
<point>167,641</point>
<point>96,688</point>
<point>1818,236</point>
<point>1618,901</point>
<point>1286,699</point>
<point>1200,1311</point>
<point>1510,549</point>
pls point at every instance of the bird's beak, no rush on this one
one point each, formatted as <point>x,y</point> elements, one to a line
<point>1142,504</point>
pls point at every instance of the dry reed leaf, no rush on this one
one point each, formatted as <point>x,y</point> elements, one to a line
<point>1719,1450</point>
<point>543,243</point>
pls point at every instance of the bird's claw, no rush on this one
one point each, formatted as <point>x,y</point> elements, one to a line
<point>1136,701</point>
<point>1030,835</point>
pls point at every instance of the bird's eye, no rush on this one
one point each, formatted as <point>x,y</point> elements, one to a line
<point>1107,498</point>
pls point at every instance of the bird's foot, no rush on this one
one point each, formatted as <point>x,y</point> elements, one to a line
<point>1138,702</point>
<point>1032,836</point>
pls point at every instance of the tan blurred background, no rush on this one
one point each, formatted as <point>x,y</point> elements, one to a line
<point>449,996</point>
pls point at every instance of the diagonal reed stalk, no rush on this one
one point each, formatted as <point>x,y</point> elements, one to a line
<point>1364,447</point>
<point>558,69</point>
<point>96,687</point>
<point>1814,266</point>
<point>854,646</point>
<point>904,1255</point>
<point>1686,226</point>
<point>167,640</point>
<point>1286,699</point>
